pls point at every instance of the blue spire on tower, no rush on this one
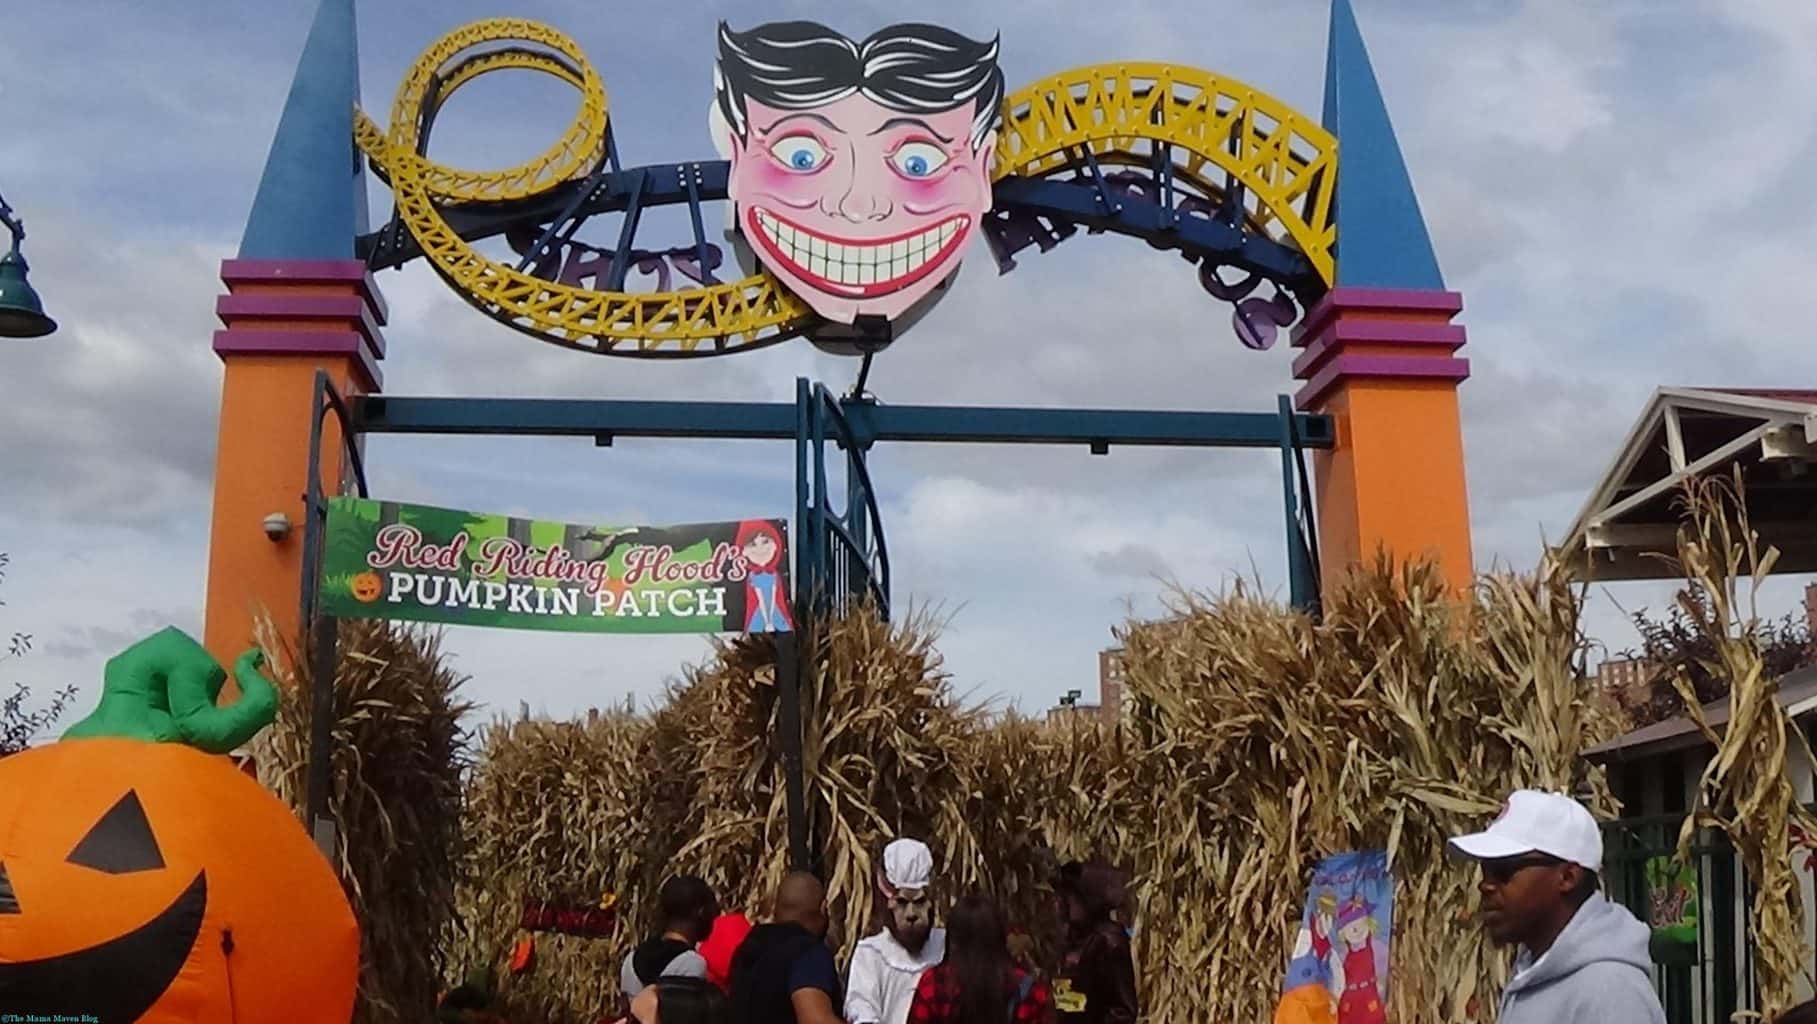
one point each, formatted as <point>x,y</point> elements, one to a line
<point>311,201</point>
<point>1382,240</point>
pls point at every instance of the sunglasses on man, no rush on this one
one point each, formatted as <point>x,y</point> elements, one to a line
<point>1501,872</point>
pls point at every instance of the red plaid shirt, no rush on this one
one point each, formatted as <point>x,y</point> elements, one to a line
<point>937,999</point>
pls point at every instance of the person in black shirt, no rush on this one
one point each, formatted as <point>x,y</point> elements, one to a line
<point>1096,982</point>
<point>688,907</point>
<point>783,973</point>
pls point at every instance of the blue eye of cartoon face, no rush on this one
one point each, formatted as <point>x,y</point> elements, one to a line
<point>799,153</point>
<point>918,159</point>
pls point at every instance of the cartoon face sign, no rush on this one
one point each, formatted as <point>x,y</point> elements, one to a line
<point>860,171</point>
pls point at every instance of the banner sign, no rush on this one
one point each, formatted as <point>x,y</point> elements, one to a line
<point>385,560</point>
<point>1338,971</point>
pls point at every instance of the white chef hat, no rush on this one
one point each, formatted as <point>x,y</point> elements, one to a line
<point>908,864</point>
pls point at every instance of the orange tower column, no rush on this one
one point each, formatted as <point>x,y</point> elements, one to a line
<point>1380,350</point>
<point>284,321</point>
<point>1381,363</point>
<point>297,302</point>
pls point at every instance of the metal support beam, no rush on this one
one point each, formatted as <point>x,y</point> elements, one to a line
<point>1662,538</point>
<point>319,629</point>
<point>535,417</point>
<point>855,425</point>
<point>1302,579</point>
<point>652,186</point>
<point>318,791</point>
<point>1675,440</point>
<point>1788,443</point>
<point>1159,223</point>
<point>1676,479</point>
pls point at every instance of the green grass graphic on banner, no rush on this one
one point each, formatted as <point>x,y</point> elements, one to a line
<point>415,563</point>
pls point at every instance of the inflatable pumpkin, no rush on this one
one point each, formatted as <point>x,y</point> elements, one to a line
<point>144,878</point>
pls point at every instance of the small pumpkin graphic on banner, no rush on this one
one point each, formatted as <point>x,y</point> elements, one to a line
<point>367,587</point>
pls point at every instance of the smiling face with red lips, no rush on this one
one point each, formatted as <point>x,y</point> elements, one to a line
<point>857,208</point>
<point>859,171</point>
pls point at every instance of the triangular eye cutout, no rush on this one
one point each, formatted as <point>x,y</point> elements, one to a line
<point>121,842</point>
<point>9,903</point>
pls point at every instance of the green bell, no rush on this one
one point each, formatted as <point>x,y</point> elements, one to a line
<point>21,311</point>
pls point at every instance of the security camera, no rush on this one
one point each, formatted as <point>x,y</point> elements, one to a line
<point>277,526</point>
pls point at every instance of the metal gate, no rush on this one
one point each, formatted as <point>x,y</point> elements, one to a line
<point>1708,981</point>
<point>841,556</point>
<point>840,550</point>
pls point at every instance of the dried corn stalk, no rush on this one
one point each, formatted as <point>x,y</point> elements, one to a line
<point>1254,743</point>
<point>1265,741</point>
<point>558,813</point>
<point>399,759</point>
<point>1746,790</point>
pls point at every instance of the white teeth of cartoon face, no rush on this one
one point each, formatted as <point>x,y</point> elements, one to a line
<point>855,264</point>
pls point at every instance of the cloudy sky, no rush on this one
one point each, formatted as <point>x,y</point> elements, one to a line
<point>1617,187</point>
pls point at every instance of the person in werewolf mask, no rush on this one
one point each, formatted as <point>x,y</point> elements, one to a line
<point>887,965</point>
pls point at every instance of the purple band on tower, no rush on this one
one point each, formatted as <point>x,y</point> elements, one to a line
<point>1440,339</point>
<point>265,306</point>
<point>307,272</point>
<point>1381,333</point>
<point>288,307</point>
<point>1422,304</point>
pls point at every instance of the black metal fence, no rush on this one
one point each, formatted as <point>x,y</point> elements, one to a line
<point>1705,972</point>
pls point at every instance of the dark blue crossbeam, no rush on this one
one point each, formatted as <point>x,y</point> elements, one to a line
<point>604,419</point>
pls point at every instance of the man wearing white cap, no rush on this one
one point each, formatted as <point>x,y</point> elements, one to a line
<point>887,965</point>
<point>1582,959</point>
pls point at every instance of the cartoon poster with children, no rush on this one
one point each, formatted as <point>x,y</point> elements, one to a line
<point>388,560</point>
<point>1338,970</point>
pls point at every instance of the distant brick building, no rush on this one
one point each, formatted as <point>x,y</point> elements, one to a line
<point>1623,674</point>
<point>1110,683</point>
<point>1109,707</point>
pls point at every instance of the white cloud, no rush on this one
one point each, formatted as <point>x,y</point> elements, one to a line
<point>1602,181</point>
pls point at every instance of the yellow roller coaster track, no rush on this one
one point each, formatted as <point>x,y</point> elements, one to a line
<point>1283,160</point>
<point>1287,162</point>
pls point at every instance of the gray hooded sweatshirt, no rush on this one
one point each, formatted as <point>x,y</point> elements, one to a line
<point>1597,972</point>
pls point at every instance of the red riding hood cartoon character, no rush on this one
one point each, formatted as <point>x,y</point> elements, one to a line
<point>766,597</point>
<point>1360,992</point>
<point>860,170</point>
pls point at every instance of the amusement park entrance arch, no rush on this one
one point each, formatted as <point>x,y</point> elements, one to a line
<point>841,550</point>
<point>1232,181</point>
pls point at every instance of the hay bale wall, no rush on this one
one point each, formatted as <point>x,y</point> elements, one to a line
<point>1254,743</point>
<point>1267,742</point>
<point>400,755</point>
<point>555,814</point>
<point>571,811</point>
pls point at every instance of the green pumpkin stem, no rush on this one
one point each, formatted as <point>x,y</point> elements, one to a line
<point>163,690</point>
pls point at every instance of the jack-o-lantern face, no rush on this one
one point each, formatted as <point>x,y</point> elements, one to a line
<point>153,882</point>
<point>367,587</point>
